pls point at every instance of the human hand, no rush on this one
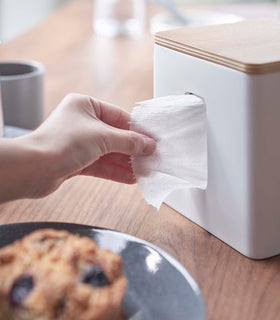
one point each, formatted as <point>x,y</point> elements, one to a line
<point>82,136</point>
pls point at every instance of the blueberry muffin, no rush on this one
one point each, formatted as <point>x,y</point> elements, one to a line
<point>53,274</point>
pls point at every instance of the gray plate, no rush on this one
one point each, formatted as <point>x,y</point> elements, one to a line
<point>160,288</point>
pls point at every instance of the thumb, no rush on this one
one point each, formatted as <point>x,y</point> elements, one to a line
<point>128,142</point>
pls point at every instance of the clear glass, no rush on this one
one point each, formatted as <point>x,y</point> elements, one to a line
<point>112,18</point>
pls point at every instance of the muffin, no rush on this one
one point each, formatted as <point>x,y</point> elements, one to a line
<point>52,274</point>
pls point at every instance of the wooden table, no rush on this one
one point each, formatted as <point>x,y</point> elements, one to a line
<point>120,71</point>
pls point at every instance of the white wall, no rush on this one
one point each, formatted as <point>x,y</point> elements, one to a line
<point>16,16</point>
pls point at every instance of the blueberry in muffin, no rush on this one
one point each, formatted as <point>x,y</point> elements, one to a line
<point>55,275</point>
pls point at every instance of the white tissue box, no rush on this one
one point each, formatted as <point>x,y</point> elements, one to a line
<point>235,68</point>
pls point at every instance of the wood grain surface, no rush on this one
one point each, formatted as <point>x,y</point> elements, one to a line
<point>120,71</point>
<point>250,46</point>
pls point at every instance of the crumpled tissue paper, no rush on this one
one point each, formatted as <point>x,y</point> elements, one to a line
<point>178,124</point>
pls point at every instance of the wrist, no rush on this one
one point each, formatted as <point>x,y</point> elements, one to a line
<point>19,172</point>
<point>41,165</point>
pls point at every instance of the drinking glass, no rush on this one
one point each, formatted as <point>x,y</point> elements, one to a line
<point>112,18</point>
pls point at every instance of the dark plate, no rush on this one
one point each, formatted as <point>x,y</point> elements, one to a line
<point>160,288</point>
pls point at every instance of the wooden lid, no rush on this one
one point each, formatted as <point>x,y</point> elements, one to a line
<point>251,46</point>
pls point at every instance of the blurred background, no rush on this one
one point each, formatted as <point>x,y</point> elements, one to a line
<point>17,16</point>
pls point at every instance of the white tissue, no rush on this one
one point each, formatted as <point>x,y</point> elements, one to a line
<point>178,124</point>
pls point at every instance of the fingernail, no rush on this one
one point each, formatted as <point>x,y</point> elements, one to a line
<point>149,146</point>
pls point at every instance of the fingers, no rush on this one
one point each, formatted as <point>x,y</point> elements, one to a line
<point>113,134</point>
<point>123,141</point>
<point>127,142</point>
<point>119,159</point>
<point>111,114</point>
<point>114,167</point>
<point>106,112</point>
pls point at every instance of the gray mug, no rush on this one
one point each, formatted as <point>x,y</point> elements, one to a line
<point>22,88</point>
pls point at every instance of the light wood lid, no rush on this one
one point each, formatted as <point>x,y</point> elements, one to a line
<point>251,46</point>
